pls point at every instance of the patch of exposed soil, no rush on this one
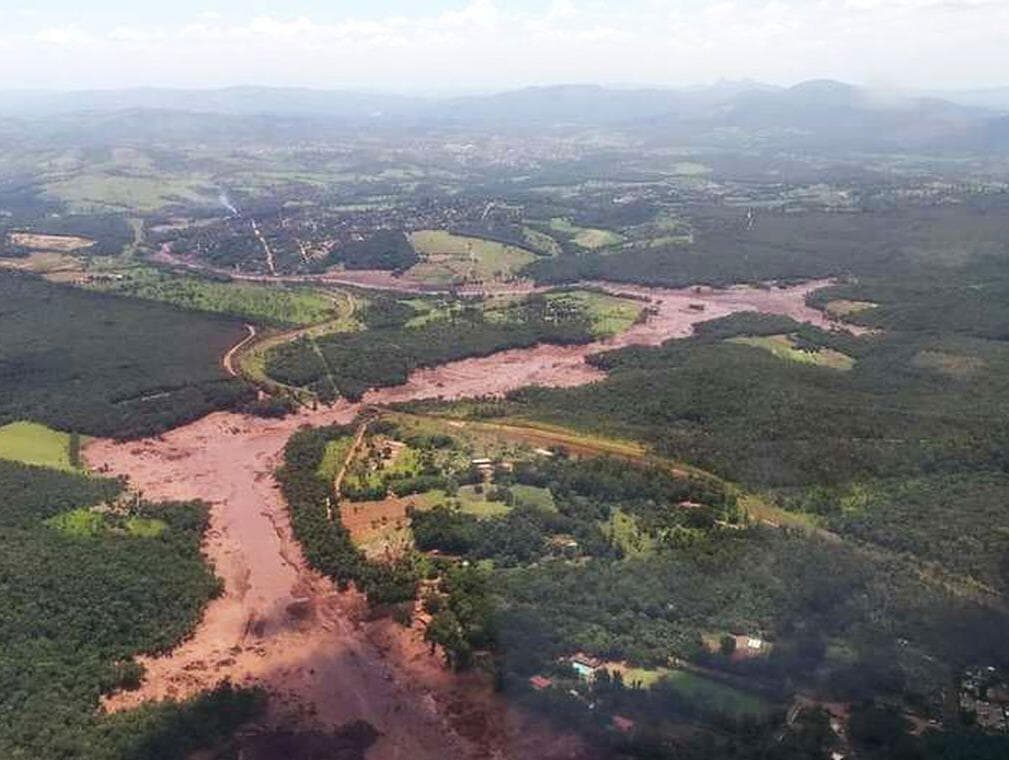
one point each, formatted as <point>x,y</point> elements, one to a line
<point>280,625</point>
<point>378,527</point>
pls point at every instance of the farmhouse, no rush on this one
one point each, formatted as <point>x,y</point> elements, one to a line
<point>540,682</point>
<point>585,665</point>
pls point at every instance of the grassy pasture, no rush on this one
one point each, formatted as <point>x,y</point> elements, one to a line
<point>717,695</point>
<point>87,523</point>
<point>784,347</point>
<point>541,241</point>
<point>371,468</point>
<point>334,457</point>
<point>79,523</point>
<point>585,237</point>
<point>477,504</point>
<point>711,693</point>
<point>31,443</point>
<point>533,496</point>
<point>271,304</point>
<point>99,191</point>
<point>609,315</point>
<point>449,258</point>
<point>843,307</point>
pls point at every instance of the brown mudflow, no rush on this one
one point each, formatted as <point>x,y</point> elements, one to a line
<point>280,625</point>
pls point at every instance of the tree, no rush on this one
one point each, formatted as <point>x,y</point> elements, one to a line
<point>728,645</point>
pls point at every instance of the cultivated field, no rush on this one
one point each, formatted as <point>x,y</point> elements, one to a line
<point>449,258</point>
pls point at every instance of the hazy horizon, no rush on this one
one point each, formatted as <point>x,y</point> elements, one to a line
<point>478,46</point>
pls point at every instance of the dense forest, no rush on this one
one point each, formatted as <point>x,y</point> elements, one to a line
<point>83,592</point>
<point>729,247</point>
<point>107,365</point>
<point>385,249</point>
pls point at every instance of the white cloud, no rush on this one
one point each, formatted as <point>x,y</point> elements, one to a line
<point>63,36</point>
<point>486,43</point>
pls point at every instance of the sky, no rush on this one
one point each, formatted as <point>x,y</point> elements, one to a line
<point>443,46</point>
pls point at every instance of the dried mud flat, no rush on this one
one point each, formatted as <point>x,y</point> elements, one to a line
<point>280,625</point>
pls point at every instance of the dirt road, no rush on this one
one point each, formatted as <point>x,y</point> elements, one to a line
<point>280,625</point>
<point>228,362</point>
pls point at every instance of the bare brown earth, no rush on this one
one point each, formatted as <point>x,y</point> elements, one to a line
<point>280,625</point>
<point>56,243</point>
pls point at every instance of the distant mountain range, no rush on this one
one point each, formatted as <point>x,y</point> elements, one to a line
<point>815,114</point>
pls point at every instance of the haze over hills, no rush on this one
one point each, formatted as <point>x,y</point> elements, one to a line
<point>817,112</point>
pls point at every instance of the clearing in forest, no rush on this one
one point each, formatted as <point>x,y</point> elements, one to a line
<point>842,307</point>
<point>785,347</point>
<point>55,243</point>
<point>585,237</point>
<point>31,443</point>
<point>697,688</point>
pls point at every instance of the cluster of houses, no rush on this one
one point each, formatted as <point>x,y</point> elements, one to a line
<point>984,694</point>
<point>586,667</point>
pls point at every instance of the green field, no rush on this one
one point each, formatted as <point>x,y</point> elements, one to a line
<point>609,315</point>
<point>102,192</point>
<point>477,504</point>
<point>334,457</point>
<point>449,258</point>
<point>542,242</point>
<point>80,523</point>
<point>623,530</point>
<point>371,469</point>
<point>31,443</point>
<point>707,691</point>
<point>585,237</point>
<point>533,496</point>
<point>784,347</point>
<point>272,304</point>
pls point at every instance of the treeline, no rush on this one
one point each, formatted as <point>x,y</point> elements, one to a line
<point>79,605</point>
<point>348,364</point>
<point>107,365</point>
